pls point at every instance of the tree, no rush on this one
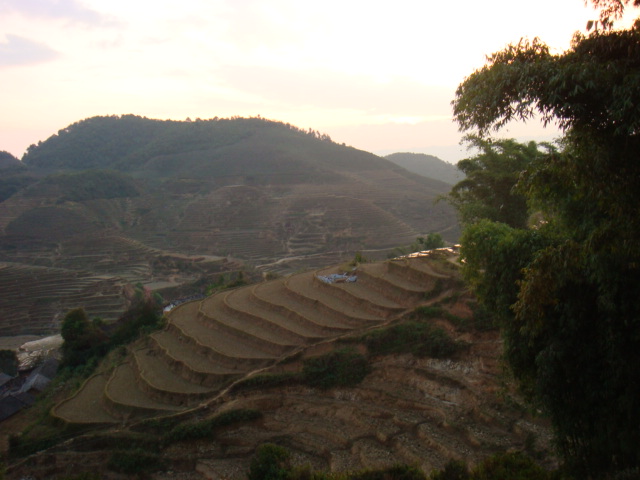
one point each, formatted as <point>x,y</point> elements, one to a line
<point>566,292</point>
<point>271,462</point>
<point>487,190</point>
<point>83,339</point>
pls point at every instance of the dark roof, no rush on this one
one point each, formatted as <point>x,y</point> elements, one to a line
<point>11,404</point>
<point>4,378</point>
<point>41,376</point>
<point>48,368</point>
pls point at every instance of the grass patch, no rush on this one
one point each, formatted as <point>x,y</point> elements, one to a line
<point>340,368</point>
<point>207,428</point>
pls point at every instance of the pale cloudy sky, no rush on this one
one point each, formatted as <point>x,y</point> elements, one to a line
<point>376,75</point>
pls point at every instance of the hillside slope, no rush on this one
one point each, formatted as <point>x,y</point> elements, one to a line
<point>118,195</point>
<point>427,166</point>
<point>233,355</point>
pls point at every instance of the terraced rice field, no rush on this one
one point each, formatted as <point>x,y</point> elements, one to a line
<point>209,344</point>
<point>412,410</point>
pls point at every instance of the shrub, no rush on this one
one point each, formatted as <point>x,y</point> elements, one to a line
<point>420,339</point>
<point>340,368</point>
<point>271,462</point>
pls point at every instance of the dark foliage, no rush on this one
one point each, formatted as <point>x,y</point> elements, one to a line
<point>87,185</point>
<point>86,342</point>
<point>566,292</point>
<point>83,339</point>
<point>271,462</point>
<point>415,335</point>
<point>340,368</point>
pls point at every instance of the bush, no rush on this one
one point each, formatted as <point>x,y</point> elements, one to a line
<point>83,339</point>
<point>420,339</point>
<point>271,462</point>
<point>340,368</point>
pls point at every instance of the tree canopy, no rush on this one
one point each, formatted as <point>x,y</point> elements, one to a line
<point>565,290</point>
<point>488,188</point>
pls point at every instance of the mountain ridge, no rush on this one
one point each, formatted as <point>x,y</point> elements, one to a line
<point>111,195</point>
<point>428,166</point>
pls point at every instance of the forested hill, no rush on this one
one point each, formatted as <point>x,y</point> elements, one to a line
<point>428,166</point>
<point>254,148</point>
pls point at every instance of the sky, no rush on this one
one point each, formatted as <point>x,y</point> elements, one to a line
<point>378,76</point>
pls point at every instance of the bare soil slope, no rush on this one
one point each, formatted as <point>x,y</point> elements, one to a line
<point>408,409</point>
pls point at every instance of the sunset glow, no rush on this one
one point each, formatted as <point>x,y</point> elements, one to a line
<point>377,76</point>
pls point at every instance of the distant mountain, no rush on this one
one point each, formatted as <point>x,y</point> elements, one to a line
<point>118,200</point>
<point>427,166</point>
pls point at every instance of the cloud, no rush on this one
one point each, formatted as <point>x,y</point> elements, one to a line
<point>70,10</point>
<point>22,51</point>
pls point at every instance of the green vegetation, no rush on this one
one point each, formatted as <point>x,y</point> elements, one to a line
<point>340,368</point>
<point>87,185</point>
<point>83,340</point>
<point>86,342</point>
<point>487,191</point>
<point>128,142</point>
<point>271,462</point>
<point>432,241</point>
<point>564,285</point>
<point>416,337</point>
<point>358,259</point>
<point>12,183</point>
<point>224,282</point>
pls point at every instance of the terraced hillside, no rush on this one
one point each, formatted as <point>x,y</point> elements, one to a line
<point>40,283</point>
<point>116,196</point>
<point>33,297</point>
<point>409,409</point>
